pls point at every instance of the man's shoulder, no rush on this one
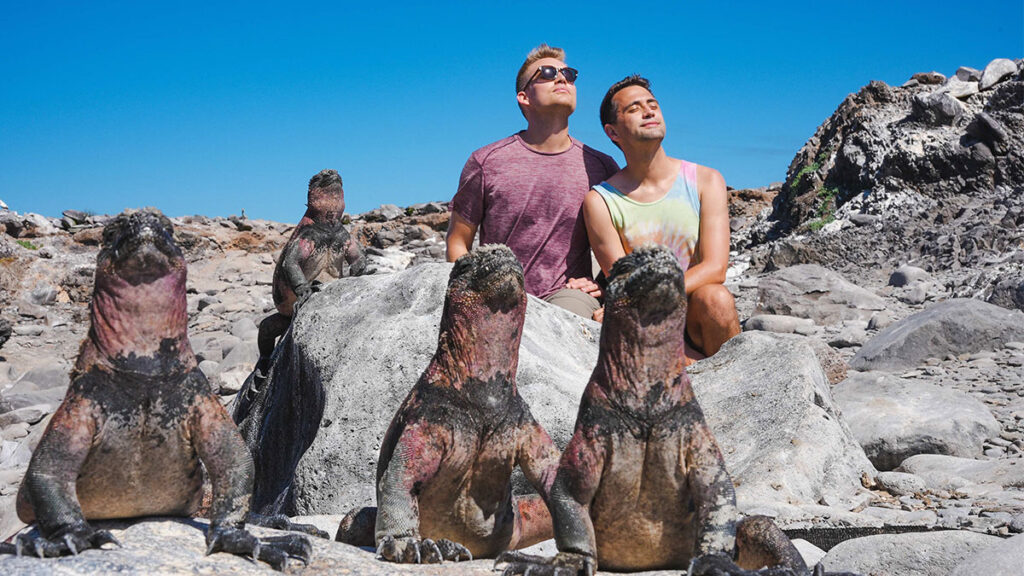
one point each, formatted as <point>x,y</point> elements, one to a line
<point>587,150</point>
<point>591,154</point>
<point>483,153</point>
<point>707,174</point>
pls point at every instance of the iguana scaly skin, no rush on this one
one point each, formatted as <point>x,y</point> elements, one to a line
<point>642,484</point>
<point>320,244</point>
<point>444,472</point>
<point>140,421</point>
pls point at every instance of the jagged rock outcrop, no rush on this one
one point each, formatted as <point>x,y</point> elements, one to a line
<point>918,139</point>
<point>930,174</point>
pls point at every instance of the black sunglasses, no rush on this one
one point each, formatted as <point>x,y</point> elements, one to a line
<point>550,73</point>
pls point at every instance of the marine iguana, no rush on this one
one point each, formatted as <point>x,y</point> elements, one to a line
<point>444,471</point>
<point>140,421</point>
<point>642,484</point>
<point>319,244</point>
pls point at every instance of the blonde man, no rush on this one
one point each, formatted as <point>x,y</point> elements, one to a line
<point>526,190</point>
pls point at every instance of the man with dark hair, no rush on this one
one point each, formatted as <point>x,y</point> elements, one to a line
<point>657,199</point>
<point>526,190</point>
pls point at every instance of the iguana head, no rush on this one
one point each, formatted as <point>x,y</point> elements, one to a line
<point>326,197</point>
<point>489,277</point>
<point>139,309</point>
<point>139,248</point>
<point>645,307</point>
<point>484,310</point>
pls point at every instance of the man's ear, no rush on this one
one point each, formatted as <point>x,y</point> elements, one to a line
<point>522,98</point>
<point>609,131</point>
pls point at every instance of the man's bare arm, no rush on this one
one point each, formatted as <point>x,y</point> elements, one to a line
<point>604,239</point>
<point>460,237</point>
<point>713,245</point>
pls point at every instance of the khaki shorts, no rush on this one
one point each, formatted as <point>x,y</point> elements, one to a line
<point>576,301</point>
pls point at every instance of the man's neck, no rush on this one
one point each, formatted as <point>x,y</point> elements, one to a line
<point>548,135</point>
<point>649,165</point>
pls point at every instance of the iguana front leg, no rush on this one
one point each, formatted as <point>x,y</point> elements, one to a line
<point>48,493</point>
<point>411,463</point>
<point>537,456</point>
<point>711,487</point>
<point>229,464</point>
<point>354,256</point>
<point>291,266</point>
<point>573,489</point>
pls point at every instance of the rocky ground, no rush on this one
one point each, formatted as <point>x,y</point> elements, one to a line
<point>905,201</point>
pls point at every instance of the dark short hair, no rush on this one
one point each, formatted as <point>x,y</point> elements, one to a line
<point>608,110</point>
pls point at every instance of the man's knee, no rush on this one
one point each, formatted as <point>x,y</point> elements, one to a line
<point>713,300</point>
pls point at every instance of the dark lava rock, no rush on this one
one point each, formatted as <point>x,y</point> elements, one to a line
<point>5,331</point>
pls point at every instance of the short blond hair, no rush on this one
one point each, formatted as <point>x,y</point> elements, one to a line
<point>542,51</point>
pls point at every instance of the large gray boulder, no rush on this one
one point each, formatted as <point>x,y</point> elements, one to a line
<point>914,554</point>
<point>950,472</point>
<point>352,354</point>
<point>1006,557</point>
<point>951,327</point>
<point>768,403</point>
<point>812,291</point>
<point>996,71</point>
<point>895,418</point>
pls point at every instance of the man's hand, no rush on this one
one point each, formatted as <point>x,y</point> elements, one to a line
<point>598,315</point>
<point>586,285</point>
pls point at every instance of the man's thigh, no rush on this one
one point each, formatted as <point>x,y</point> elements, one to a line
<point>576,301</point>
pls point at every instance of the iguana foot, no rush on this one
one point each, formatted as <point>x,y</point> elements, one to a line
<point>562,564</point>
<point>261,371</point>
<point>275,550</point>
<point>722,565</point>
<point>282,522</point>
<point>411,550</point>
<point>67,541</point>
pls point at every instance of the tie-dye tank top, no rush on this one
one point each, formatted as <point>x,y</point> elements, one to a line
<point>673,221</point>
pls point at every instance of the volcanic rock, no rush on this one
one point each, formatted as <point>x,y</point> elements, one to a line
<point>953,327</point>
<point>894,418</point>
<point>914,554</point>
<point>812,291</point>
<point>769,405</point>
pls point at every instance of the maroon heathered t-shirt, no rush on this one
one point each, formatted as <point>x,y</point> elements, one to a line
<point>530,201</point>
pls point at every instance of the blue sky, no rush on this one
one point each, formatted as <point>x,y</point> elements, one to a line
<point>210,107</point>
